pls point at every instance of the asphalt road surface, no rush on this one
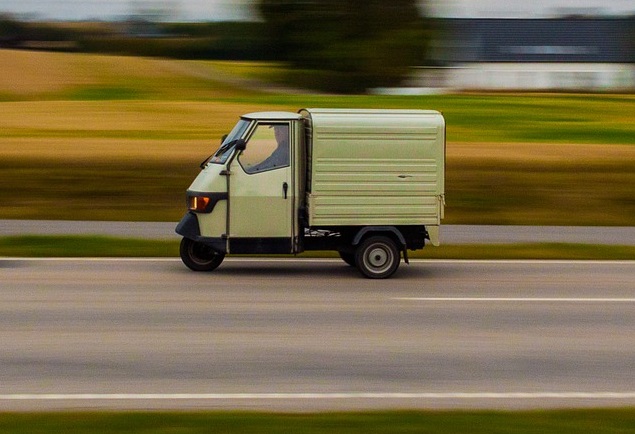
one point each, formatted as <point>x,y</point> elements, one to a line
<point>313,335</point>
<point>450,234</point>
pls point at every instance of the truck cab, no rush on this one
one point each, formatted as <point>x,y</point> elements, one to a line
<point>368,184</point>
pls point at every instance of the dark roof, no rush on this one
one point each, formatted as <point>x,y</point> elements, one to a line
<point>610,40</point>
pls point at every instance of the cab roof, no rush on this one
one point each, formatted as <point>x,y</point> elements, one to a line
<point>272,116</point>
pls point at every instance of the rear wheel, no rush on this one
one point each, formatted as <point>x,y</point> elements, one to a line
<point>377,257</point>
<point>198,256</point>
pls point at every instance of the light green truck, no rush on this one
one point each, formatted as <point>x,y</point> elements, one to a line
<point>369,184</point>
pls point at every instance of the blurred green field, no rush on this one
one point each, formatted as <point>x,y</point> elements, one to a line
<point>120,138</point>
<point>431,422</point>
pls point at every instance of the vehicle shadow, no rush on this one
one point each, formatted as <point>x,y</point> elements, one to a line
<point>307,269</point>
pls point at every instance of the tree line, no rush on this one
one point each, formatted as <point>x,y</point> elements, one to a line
<point>342,46</point>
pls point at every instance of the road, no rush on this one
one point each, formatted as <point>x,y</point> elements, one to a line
<point>450,234</point>
<point>313,335</point>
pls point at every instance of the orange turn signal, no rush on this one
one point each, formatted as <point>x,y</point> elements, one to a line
<point>198,203</point>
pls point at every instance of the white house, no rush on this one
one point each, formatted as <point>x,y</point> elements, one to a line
<point>596,54</point>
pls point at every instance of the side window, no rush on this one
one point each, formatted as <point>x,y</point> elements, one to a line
<point>267,148</point>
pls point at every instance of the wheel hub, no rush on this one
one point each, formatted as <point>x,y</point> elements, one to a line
<point>378,257</point>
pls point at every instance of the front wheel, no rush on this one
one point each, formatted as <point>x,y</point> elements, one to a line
<point>198,256</point>
<point>377,257</point>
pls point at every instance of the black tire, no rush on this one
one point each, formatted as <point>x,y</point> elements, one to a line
<point>377,257</point>
<point>198,256</point>
<point>349,258</point>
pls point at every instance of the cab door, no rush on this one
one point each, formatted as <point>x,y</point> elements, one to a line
<point>261,194</point>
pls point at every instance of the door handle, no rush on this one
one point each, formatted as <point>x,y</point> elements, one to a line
<point>285,188</point>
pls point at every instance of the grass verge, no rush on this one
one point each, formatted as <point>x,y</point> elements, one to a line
<point>33,246</point>
<point>446,422</point>
<point>93,246</point>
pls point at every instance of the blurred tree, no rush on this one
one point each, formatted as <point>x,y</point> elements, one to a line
<point>14,33</point>
<point>11,31</point>
<point>351,45</point>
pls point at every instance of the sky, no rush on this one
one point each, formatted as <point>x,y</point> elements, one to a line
<point>219,10</point>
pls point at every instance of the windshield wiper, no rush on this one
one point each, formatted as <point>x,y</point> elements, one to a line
<point>204,162</point>
<point>223,149</point>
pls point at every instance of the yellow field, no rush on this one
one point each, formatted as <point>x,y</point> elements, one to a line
<point>183,129</point>
<point>25,72</point>
<point>114,129</point>
<point>42,75</point>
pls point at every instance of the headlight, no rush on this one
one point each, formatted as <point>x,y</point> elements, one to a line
<point>198,203</point>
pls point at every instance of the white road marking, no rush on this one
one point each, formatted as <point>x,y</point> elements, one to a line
<point>317,396</point>
<point>519,299</point>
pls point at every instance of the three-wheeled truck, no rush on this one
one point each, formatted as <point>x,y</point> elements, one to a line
<point>369,184</point>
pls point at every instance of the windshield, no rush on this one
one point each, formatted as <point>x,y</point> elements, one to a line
<point>227,146</point>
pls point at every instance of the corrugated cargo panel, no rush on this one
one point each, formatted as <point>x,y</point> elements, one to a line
<point>377,167</point>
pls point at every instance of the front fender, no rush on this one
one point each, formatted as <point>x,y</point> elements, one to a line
<point>188,227</point>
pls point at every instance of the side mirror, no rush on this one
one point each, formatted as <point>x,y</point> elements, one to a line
<point>241,145</point>
<point>223,139</point>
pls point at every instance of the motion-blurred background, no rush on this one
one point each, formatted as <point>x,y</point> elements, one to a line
<point>106,108</point>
